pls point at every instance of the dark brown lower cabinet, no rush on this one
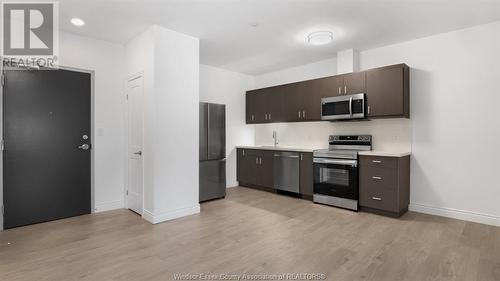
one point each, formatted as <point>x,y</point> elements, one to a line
<point>384,184</point>
<point>306,175</point>
<point>264,171</point>
<point>246,167</point>
<point>255,168</point>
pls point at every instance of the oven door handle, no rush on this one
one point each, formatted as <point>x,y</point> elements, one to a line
<point>350,106</point>
<point>352,163</point>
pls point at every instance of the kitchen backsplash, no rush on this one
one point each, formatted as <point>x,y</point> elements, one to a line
<point>388,134</point>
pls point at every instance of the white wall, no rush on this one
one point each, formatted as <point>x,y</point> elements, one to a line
<point>227,87</point>
<point>107,60</point>
<point>319,69</point>
<point>388,134</point>
<point>170,64</point>
<point>454,111</point>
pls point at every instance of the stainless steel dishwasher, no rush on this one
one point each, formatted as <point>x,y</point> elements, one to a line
<point>286,171</point>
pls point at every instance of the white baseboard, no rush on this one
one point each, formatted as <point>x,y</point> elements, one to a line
<point>108,206</point>
<point>455,214</point>
<point>166,216</point>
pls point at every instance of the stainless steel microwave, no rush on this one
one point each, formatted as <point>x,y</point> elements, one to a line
<point>343,107</point>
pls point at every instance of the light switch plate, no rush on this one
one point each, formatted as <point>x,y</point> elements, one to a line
<point>100,132</point>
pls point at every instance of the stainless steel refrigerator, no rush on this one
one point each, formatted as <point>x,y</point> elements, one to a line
<point>212,151</point>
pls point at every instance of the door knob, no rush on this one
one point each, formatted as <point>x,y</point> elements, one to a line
<point>138,153</point>
<point>84,146</point>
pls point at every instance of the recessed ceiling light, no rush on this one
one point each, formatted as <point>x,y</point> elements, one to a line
<point>77,22</point>
<point>320,37</point>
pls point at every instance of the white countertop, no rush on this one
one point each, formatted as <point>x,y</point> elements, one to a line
<point>385,153</point>
<point>277,148</point>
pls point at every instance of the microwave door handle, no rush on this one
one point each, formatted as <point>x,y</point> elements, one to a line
<point>350,106</point>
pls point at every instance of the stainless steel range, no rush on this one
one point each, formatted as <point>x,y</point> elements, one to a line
<point>336,171</point>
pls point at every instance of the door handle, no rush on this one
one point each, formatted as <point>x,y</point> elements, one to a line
<point>377,178</point>
<point>84,146</point>
<point>138,153</point>
<point>377,198</point>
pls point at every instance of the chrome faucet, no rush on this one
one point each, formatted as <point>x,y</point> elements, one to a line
<point>275,137</point>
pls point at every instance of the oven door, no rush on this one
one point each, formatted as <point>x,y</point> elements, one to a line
<point>336,177</point>
<point>343,107</point>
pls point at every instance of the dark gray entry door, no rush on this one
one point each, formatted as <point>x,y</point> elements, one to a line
<point>46,124</point>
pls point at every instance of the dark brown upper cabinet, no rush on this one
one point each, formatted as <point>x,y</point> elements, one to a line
<point>265,105</point>
<point>354,83</point>
<point>386,88</point>
<point>388,91</point>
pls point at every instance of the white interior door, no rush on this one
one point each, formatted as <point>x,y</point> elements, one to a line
<point>135,159</point>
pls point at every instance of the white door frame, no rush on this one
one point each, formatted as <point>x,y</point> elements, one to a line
<point>92,137</point>
<point>138,75</point>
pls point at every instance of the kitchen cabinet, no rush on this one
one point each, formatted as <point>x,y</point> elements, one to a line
<point>303,99</point>
<point>387,92</point>
<point>354,83</point>
<point>306,175</point>
<point>384,184</point>
<point>264,171</point>
<point>246,167</point>
<point>255,167</point>
<point>386,88</point>
<point>264,105</point>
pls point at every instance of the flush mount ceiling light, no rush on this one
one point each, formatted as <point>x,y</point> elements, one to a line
<point>77,22</point>
<point>320,38</point>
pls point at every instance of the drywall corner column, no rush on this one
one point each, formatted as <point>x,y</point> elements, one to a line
<point>170,64</point>
<point>176,127</point>
<point>347,61</point>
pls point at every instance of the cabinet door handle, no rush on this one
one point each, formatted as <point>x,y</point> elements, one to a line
<point>340,91</point>
<point>345,90</point>
<point>377,178</point>
<point>257,160</point>
<point>304,114</point>
<point>377,198</point>
<point>260,161</point>
<point>253,117</point>
<point>376,161</point>
<point>299,114</point>
<point>301,157</point>
<point>269,116</point>
<point>369,111</point>
<point>243,152</point>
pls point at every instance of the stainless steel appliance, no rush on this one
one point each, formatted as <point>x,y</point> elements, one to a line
<point>212,151</point>
<point>286,171</point>
<point>336,171</point>
<point>343,107</point>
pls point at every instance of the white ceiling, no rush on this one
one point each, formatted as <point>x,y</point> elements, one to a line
<point>259,36</point>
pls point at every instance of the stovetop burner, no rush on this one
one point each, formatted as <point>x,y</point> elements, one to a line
<point>345,146</point>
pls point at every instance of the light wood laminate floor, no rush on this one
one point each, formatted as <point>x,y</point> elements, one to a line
<point>254,232</point>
